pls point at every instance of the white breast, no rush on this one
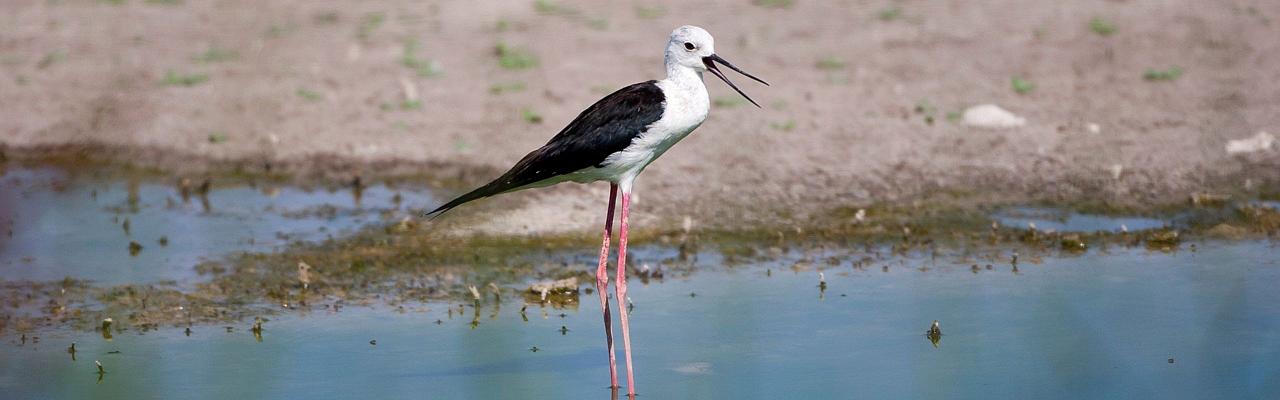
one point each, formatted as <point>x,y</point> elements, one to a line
<point>685,108</point>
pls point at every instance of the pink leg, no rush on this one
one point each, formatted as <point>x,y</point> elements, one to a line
<point>602,286</point>
<point>622,291</point>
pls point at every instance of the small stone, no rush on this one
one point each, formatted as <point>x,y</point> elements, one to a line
<point>1227,231</point>
<point>1259,142</point>
<point>991,116</point>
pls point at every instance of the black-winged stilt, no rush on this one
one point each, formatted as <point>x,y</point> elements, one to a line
<point>614,140</point>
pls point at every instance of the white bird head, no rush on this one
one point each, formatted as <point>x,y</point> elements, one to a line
<point>693,48</point>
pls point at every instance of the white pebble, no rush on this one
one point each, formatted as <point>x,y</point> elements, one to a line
<point>1259,142</point>
<point>992,116</point>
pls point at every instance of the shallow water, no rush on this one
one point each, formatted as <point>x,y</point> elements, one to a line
<point>1093,326</point>
<point>70,225</point>
<point>1049,219</point>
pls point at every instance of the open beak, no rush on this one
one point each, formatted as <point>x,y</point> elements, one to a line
<point>711,61</point>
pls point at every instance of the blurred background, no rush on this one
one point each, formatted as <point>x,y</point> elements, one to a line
<point>1127,102</point>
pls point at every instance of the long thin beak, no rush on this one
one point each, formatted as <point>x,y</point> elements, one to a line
<point>711,61</point>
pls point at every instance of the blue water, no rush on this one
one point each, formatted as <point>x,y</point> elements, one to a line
<point>1093,326</point>
<point>54,224</point>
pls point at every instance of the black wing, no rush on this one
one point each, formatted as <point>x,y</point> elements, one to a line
<point>607,127</point>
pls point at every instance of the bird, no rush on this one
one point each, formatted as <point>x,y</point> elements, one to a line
<point>614,140</point>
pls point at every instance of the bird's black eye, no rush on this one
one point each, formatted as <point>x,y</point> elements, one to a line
<point>688,45</point>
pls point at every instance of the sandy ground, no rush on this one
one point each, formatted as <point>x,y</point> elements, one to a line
<point>368,86</point>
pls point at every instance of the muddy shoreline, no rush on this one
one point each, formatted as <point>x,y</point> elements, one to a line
<point>411,263</point>
<point>1247,178</point>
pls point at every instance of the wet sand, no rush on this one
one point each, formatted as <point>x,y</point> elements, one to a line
<point>858,114</point>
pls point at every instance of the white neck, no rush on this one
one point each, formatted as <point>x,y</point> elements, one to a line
<point>684,77</point>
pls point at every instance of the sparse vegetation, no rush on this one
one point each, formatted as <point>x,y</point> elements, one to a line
<point>650,12</point>
<point>831,63</point>
<point>308,94</point>
<point>1102,26</point>
<point>927,109</point>
<point>531,116</point>
<point>326,18</point>
<point>172,78</point>
<point>727,102</point>
<point>424,68</point>
<point>509,87</point>
<point>774,3</point>
<point>785,126</point>
<point>371,23</point>
<point>275,31</point>
<point>10,59</point>
<point>548,7</point>
<point>51,58</point>
<point>889,13</point>
<point>1162,75</point>
<point>215,54</point>
<point>411,105</point>
<point>514,58</point>
<point>1022,86</point>
<point>217,137</point>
